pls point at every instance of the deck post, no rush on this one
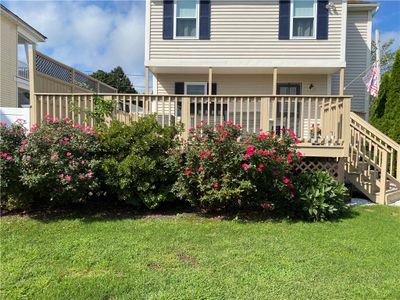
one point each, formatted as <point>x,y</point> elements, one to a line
<point>185,116</point>
<point>275,81</point>
<point>341,82</point>
<point>382,184</point>
<point>210,79</point>
<point>32,97</point>
<point>147,81</point>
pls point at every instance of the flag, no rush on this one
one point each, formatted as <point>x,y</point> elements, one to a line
<point>371,80</point>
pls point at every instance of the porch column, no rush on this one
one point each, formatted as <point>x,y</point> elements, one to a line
<point>147,81</point>
<point>210,75</point>
<point>341,82</point>
<point>274,81</point>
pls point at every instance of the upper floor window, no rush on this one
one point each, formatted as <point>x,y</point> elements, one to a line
<point>303,18</point>
<point>186,19</point>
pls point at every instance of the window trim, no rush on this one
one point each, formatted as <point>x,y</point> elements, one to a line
<point>197,23</point>
<point>203,83</point>
<point>315,16</point>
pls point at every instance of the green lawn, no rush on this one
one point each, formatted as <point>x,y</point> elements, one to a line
<point>189,257</point>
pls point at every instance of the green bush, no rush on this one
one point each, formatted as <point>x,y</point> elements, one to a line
<point>320,197</point>
<point>12,141</point>
<point>136,163</point>
<point>60,162</point>
<point>211,176</point>
<point>222,170</point>
<point>271,162</point>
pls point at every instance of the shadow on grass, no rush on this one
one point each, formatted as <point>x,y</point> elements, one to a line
<point>112,211</point>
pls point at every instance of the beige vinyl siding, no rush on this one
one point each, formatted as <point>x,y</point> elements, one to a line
<point>8,67</point>
<point>357,52</point>
<point>244,30</point>
<point>245,84</point>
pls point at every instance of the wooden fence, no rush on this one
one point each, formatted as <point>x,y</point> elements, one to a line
<point>48,75</point>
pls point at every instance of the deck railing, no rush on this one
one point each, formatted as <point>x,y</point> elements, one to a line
<point>318,120</point>
<point>374,157</point>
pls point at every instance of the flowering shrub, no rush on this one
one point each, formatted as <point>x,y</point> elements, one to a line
<point>211,175</point>
<point>136,164</point>
<point>12,140</point>
<point>270,163</point>
<point>60,161</point>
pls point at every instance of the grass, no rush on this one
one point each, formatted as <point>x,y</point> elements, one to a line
<point>190,257</point>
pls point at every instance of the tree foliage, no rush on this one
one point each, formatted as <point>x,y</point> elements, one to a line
<point>117,79</point>
<point>385,110</point>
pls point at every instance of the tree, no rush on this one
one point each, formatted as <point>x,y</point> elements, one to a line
<point>385,110</point>
<point>117,79</point>
<point>387,56</point>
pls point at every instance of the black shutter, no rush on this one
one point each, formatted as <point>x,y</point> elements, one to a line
<point>168,20</point>
<point>179,88</point>
<point>213,88</point>
<point>322,20</point>
<point>205,19</point>
<point>284,19</point>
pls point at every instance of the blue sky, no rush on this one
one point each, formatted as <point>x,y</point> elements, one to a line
<point>92,35</point>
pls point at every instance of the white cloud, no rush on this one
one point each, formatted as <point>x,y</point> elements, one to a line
<point>90,35</point>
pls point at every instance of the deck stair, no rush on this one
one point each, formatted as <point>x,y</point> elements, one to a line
<point>373,162</point>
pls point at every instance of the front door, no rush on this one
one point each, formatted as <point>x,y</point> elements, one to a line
<point>288,89</point>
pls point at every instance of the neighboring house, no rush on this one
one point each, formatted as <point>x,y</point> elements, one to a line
<point>16,38</point>
<point>259,47</point>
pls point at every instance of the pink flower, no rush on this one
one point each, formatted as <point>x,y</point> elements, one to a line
<point>229,122</point>
<point>286,180</point>
<point>69,154</point>
<point>53,157</point>
<point>90,174</point>
<point>33,128</point>
<point>188,172</point>
<point>66,139</point>
<point>82,162</point>
<point>3,124</point>
<point>225,134</point>
<point>216,185</point>
<point>47,140</point>
<point>24,142</point>
<point>266,205</point>
<point>201,169</point>
<point>77,125</point>
<point>66,119</point>
<point>190,130</point>
<point>4,155</point>
<point>21,150</point>
<point>68,178</point>
<point>81,177</point>
<point>9,157</point>
<point>61,176</point>
<point>280,158</point>
<point>245,166</point>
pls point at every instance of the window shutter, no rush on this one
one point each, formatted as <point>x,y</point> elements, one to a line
<point>322,20</point>
<point>179,88</point>
<point>205,19</point>
<point>168,20</point>
<point>284,19</point>
<point>213,88</point>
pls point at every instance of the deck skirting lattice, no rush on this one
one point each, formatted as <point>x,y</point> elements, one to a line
<point>334,166</point>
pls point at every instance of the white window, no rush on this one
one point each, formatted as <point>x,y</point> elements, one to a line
<point>303,19</point>
<point>195,88</point>
<point>186,19</point>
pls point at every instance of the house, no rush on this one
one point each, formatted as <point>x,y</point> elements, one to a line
<point>17,36</point>
<point>260,47</point>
